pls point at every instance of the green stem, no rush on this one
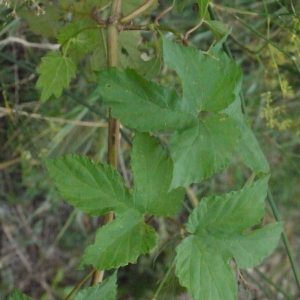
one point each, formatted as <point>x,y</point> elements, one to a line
<point>276,286</point>
<point>78,285</point>
<point>285,239</point>
<point>163,281</point>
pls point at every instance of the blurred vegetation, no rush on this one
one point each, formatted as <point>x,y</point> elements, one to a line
<point>42,237</point>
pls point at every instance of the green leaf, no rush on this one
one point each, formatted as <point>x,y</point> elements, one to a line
<point>121,242</point>
<point>203,149</point>
<point>248,147</point>
<point>82,35</point>
<point>141,104</point>
<point>92,188</point>
<point>217,28</point>
<point>220,231</point>
<point>46,24</point>
<point>17,295</point>
<point>56,73</point>
<point>203,5</point>
<point>210,85</point>
<point>152,172</point>
<point>209,82</point>
<point>106,290</point>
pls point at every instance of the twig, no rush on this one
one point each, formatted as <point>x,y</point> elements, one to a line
<point>13,39</point>
<point>136,12</point>
<point>78,285</point>
<point>164,12</point>
<point>22,257</point>
<point>5,111</point>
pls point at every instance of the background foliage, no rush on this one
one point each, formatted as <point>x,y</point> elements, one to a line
<point>42,237</point>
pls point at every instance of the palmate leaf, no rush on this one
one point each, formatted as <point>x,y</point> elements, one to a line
<point>200,146</point>
<point>98,189</point>
<point>219,232</point>
<point>152,172</point>
<point>106,290</point>
<point>56,72</point>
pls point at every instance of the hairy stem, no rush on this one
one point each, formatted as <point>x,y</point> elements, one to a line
<point>113,124</point>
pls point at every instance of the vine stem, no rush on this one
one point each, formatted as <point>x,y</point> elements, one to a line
<point>113,124</point>
<point>136,12</point>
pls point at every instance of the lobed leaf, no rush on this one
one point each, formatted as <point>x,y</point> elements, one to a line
<point>56,73</point>
<point>121,242</point>
<point>220,231</point>
<point>152,172</point>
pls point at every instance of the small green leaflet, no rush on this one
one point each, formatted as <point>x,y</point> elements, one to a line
<point>92,188</point>
<point>219,231</point>
<point>98,188</point>
<point>56,72</point>
<point>203,5</point>
<point>17,295</point>
<point>106,290</point>
<point>121,242</point>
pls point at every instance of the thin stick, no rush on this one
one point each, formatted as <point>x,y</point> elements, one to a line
<point>285,239</point>
<point>5,111</point>
<point>78,285</point>
<point>136,12</point>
